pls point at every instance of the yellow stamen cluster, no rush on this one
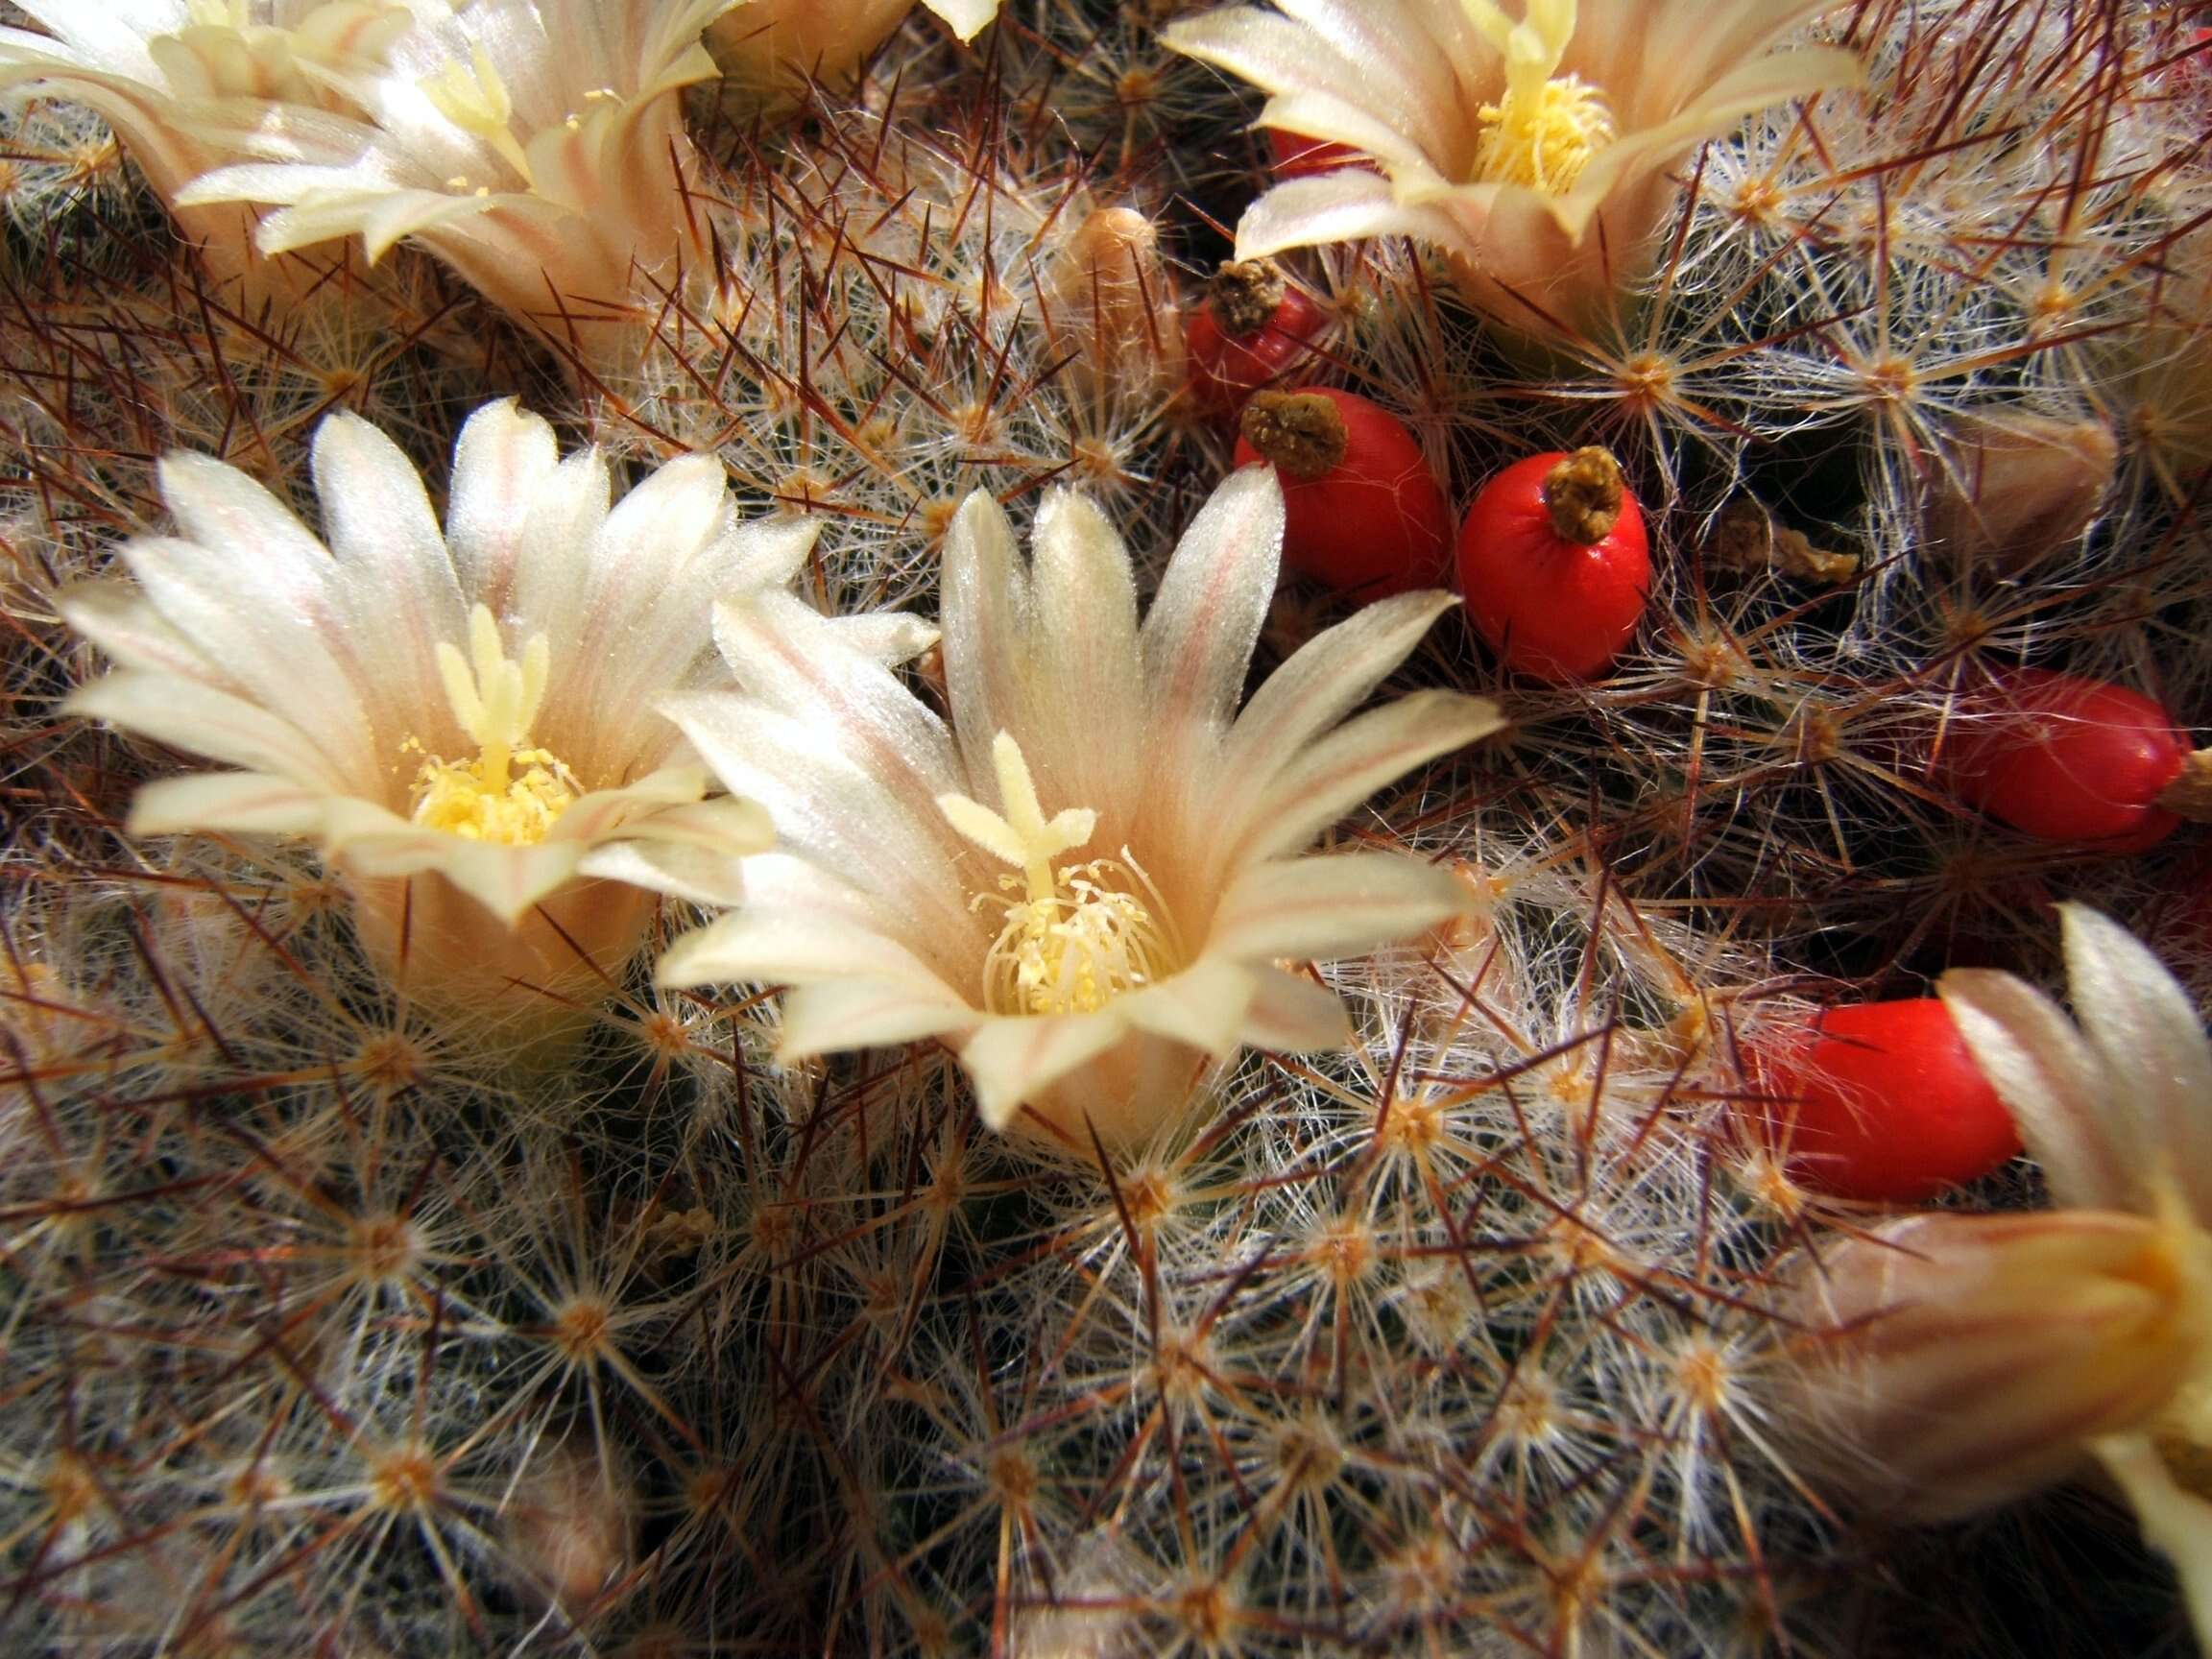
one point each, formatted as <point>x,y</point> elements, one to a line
<point>1073,955</point>
<point>1074,939</point>
<point>1542,133</point>
<point>1544,141</point>
<point>513,792</point>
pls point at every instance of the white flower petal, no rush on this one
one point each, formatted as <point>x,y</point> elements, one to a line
<point>835,1014</point>
<point>967,17</point>
<point>723,824</point>
<point>1198,640</point>
<point>1359,757</point>
<point>400,593</point>
<point>201,720</point>
<point>561,532</point>
<point>771,552</point>
<point>117,617</point>
<point>1350,203</point>
<point>2152,1044</point>
<point>1282,55</point>
<point>271,642</point>
<point>1383,40</point>
<point>626,810</point>
<point>2087,1137</point>
<point>1336,120</point>
<point>1289,1015</point>
<point>1206,1006</point>
<point>984,610</point>
<point>700,875</point>
<point>799,663</point>
<point>239,803</point>
<point>506,881</point>
<point>890,636</point>
<point>1325,680</point>
<point>218,507</point>
<point>1318,909</point>
<point>1085,674</point>
<point>771,943</point>
<point>2175,1522</point>
<point>501,465</point>
<point>1013,1058</point>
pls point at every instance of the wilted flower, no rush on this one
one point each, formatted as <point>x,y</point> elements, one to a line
<point>1085,883</point>
<point>774,47</point>
<point>1533,151</point>
<point>178,81</point>
<point>535,146</point>
<point>464,721</point>
<point>1957,1362</point>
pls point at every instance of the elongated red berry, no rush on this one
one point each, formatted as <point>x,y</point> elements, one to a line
<point>1297,156</point>
<point>1363,512</point>
<point>2066,758</point>
<point>1555,565</point>
<point>1253,329</point>
<point>1882,1101</point>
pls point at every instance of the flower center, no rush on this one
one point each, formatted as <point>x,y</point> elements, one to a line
<point>513,792</point>
<point>1542,133</point>
<point>1075,939</point>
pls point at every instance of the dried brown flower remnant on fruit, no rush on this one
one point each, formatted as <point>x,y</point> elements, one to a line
<point>1301,432</point>
<point>1246,293</point>
<point>1583,495</point>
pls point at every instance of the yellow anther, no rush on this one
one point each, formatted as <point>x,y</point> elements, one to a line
<point>512,792</point>
<point>1545,143</point>
<point>1545,129</point>
<point>1075,939</point>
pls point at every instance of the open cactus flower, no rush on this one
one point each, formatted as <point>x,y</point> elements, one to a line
<point>179,81</point>
<point>537,149</point>
<point>1961,1361</point>
<point>1536,152</point>
<point>463,721</point>
<point>1089,884</point>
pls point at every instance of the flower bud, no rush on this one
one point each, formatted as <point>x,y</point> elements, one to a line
<point>1952,1362</point>
<point>2017,487</point>
<point>769,49</point>
<point>1108,301</point>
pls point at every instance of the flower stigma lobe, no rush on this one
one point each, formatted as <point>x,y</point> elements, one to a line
<point>513,792</point>
<point>1075,941</point>
<point>1545,129</point>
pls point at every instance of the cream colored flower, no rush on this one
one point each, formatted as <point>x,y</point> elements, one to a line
<point>774,47</point>
<point>1085,885</point>
<point>1535,151</point>
<point>179,80</point>
<point>463,720</point>
<point>1959,1361</point>
<point>535,146</point>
